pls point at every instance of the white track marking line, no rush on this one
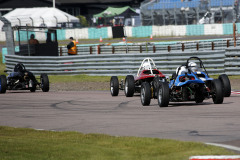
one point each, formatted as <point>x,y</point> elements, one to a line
<point>39,129</point>
<point>226,157</point>
<point>225,146</point>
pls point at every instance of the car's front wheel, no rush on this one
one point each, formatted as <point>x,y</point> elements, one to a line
<point>32,86</point>
<point>145,94</point>
<point>156,82</point>
<point>44,82</point>
<point>163,94</point>
<point>199,95</point>
<point>129,87</point>
<point>114,86</point>
<point>3,84</point>
<point>217,91</point>
<point>226,85</point>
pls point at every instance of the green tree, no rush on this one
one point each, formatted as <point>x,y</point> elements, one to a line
<point>83,21</point>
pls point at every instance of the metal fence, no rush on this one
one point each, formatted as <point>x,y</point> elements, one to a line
<point>175,12</point>
<point>216,62</point>
<point>153,48</point>
<point>232,61</point>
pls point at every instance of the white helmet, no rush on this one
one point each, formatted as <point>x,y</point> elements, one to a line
<point>182,70</point>
<point>193,66</point>
<point>146,66</point>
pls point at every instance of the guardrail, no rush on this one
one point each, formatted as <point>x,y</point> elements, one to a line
<point>116,64</point>
<point>232,61</point>
<point>152,48</point>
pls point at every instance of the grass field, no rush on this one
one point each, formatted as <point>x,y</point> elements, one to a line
<point>29,144</point>
<point>81,78</point>
<point>86,78</point>
<point>2,66</point>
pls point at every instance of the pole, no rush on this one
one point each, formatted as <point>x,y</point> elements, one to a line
<point>54,4</point>
<point>125,35</point>
<point>28,42</point>
<point>234,34</point>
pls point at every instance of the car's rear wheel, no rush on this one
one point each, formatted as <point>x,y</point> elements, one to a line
<point>44,82</point>
<point>217,91</point>
<point>226,85</point>
<point>114,86</point>
<point>145,94</point>
<point>156,81</point>
<point>129,87</point>
<point>3,84</point>
<point>163,94</point>
<point>32,86</point>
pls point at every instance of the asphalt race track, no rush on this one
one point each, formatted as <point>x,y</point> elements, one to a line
<point>98,112</point>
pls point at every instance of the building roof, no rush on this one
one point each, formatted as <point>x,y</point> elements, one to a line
<point>24,3</point>
<point>111,12</point>
<point>91,1</point>
<point>38,16</point>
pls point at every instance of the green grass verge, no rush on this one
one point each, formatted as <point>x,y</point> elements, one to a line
<point>80,78</point>
<point>24,144</point>
<point>230,77</point>
<point>86,78</point>
<point>2,66</point>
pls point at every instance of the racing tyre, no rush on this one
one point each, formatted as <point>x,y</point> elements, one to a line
<point>44,82</point>
<point>217,91</point>
<point>199,96</point>
<point>226,85</point>
<point>3,84</point>
<point>156,81</point>
<point>163,94</point>
<point>145,94</point>
<point>114,86</point>
<point>129,87</point>
<point>32,86</point>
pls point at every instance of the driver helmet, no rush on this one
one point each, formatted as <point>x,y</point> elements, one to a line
<point>32,36</point>
<point>193,66</point>
<point>182,70</point>
<point>19,67</point>
<point>146,66</point>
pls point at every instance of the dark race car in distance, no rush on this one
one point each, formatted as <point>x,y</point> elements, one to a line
<point>22,79</point>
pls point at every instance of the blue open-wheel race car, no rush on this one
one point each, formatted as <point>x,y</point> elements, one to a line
<point>192,83</point>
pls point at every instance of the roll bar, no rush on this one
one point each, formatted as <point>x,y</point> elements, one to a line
<point>149,60</point>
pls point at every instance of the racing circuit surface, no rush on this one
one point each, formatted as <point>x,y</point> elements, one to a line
<point>99,112</point>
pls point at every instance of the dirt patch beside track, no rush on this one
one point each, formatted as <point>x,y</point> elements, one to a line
<point>79,86</point>
<point>235,84</point>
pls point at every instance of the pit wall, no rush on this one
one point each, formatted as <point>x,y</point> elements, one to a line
<point>141,31</point>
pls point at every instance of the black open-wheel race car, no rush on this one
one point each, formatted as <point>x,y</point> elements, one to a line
<point>24,80</point>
